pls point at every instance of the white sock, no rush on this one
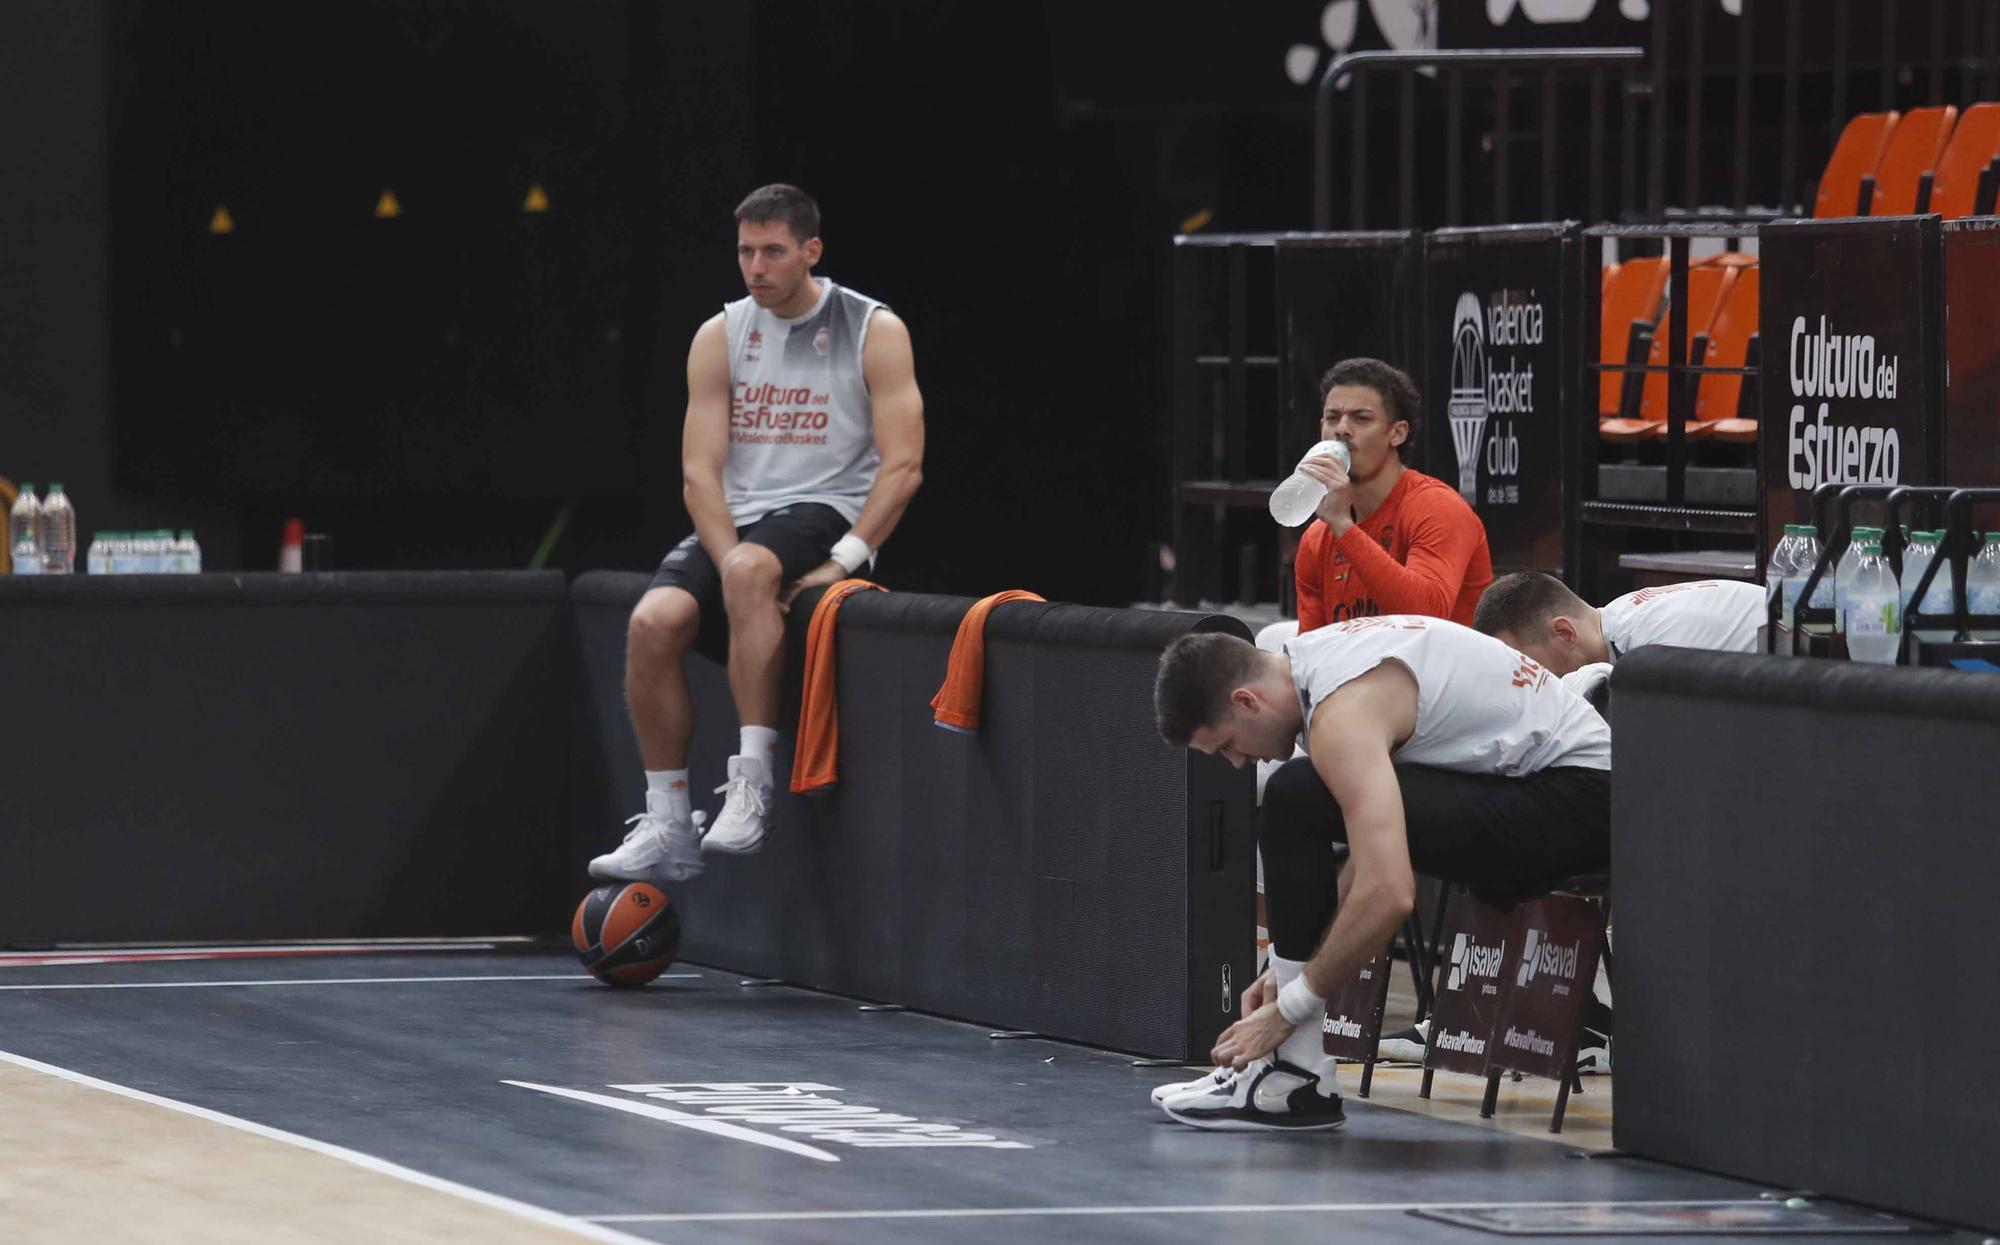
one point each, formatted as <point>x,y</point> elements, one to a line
<point>1303,1048</point>
<point>672,785</point>
<point>758,743</point>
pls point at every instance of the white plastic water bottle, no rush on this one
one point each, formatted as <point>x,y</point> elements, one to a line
<point>24,526</point>
<point>1937,600</point>
<point>1809,551</point>
<point>57,533</point>
<point>1917,558</point>
<point>1915,561</point>
<point>1982,584</point>
<point>1843,574</point>
<point>1295,500</point>
<point>123,560</point>
<point>27,555</point>
<point>1874,627</point>
<point>187,554</point>
<point>1781,576</point>
<point>97,559</point>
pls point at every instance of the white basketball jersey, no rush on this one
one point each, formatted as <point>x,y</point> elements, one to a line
<point>801,427</point>
<point>1718,614</point>
<point>1482,708</point>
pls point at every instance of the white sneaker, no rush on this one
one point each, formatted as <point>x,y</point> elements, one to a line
<point>739,828</point>
<point>1405,1046</point>
<point>1199,1084</point>
<point>1268,1095</point>
<point>658,847</point>
<point>1593,1053</point>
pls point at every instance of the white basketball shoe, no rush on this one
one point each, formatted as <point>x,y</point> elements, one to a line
<point>658,847</point>
<point>746,807</point>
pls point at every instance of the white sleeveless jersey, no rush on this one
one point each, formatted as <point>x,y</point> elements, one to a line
<point>1719,614</point>
<point>1482,708</point>
<point>801,426</point>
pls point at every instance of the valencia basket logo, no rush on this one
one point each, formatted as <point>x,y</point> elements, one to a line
<point>1467,407</point>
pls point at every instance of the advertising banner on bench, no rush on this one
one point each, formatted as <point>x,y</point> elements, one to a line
<point>1341,295</point>
<point>1851,329</point>
<point>1497,332</point>
<point>1479,955</point>
<point>1352,1026</point>
<point>1560,939</point>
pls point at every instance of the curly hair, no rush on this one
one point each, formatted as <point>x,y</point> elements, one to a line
<point>1398,392</point>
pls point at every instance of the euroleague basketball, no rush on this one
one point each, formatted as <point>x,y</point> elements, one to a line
<point>626,933</point>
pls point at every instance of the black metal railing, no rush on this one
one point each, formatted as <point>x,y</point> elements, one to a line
<point>1947,53</point>
<point>1499,69</point>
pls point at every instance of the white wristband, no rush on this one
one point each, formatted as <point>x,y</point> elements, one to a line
<point>851,552</point>
<point>1297,1002</point>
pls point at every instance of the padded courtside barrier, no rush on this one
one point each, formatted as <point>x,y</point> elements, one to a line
<point>1063,871</point>
<point>1805,921</point>
<point>232,757</point>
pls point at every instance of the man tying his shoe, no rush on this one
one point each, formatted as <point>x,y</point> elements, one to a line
<point>1428,747</point>
<point>804,443</point>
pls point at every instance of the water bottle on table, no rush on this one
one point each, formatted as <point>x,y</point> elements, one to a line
<point>56,531</point>
<point>1874,626</point>
<point>1782,578</point>
<point>23,526</point>
<point>1982,584</point>
<point>1295,500</point>
<point>1843,573</point>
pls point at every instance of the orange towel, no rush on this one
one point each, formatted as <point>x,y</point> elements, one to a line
<point>957,702</point>
<point>816,760</point>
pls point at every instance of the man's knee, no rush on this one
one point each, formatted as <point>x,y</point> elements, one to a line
<point>1295,784</point>
<point>664,624</point>
<point>750,575</point>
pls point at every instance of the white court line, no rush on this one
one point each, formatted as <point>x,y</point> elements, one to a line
<point>699,1123</point>
<point>150,955</point>
<point>1262,1208</point>
<point>537,1214</point>
<point>304,981</point>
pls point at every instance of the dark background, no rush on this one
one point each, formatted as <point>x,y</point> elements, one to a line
<point>432,390</point>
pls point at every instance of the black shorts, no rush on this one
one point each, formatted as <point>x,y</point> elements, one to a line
<point>1505,839</point>
<point>801,536</point>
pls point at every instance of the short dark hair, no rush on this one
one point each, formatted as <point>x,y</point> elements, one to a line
<point>1197,673</point>
<point>780,202</point>
<point>1522,604</point>
<point>1399,393</point>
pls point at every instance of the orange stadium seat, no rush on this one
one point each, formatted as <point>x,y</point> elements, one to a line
<point>1707,288</point>
<point>1854,157</point>
<point>1632,292</point>
<point>1914,148</point>
<point>1975,142</point>
<point>1728,346</point>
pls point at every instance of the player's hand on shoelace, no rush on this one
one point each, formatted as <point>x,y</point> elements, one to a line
<point>1252,1037</point>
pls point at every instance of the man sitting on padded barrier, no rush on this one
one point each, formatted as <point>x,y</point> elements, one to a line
<point>1428,747</point>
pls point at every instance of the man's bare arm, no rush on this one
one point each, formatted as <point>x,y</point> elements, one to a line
<point>1353,733</point>
<point>705,439</point>
<point>889,366</point>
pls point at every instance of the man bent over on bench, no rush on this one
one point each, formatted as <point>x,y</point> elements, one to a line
<point>1429,747</point>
